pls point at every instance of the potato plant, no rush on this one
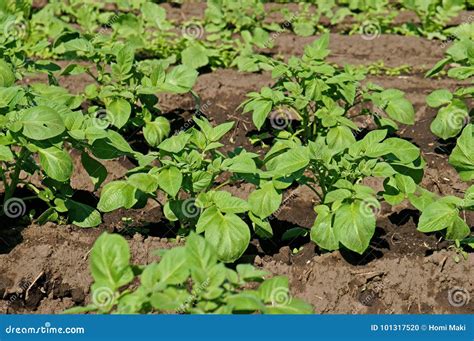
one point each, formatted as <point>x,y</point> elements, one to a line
<point>453,113</point>
<point>36,136</point>
<point>318,97</point>
<point>184,168</point>
<point>188,279</point>
<point>347,209</point>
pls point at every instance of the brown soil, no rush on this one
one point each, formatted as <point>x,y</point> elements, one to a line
<point>44,269</point>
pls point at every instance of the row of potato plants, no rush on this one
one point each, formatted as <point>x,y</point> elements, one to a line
<point>453,121</point>
<point>314,146</point>
<point>312,109</point>
<point>62,29</point>
<point>320,151</point>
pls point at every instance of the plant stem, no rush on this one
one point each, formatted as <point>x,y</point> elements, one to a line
<point>16,174</point>
<point>320,196</point>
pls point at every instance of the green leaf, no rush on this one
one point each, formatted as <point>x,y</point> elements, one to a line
<point>439,97</point>
<point>155,131</point>
<point>405,184</point>
<point>6,154</point>
<point>227,203</point>
<point>322,232</point>
<point>125,58</point>
<point>404,150</point>
<point>41,123</point>
<point>318,49</point>
<point>289,162</point>
<point>441,215</point>
<point>173,267</point>
<point>265,201</point>
<point>194,56</point>
<point>260,112</point>
<point>458,230</point>
<point>97,172</point>
<point>170,180</point>
<point>354,226</point>
<point>110,259</point>
<point>116,195</point>
<point>175,143</point>
<point>450,120</point>
<point>7,77</point>
<point>82,215</point>
<point>401,110</point>
<point>245,302</point>
<point>340,138</point>
<point>180,80</point>
<point>295,306</point>
<point>119,111</point>
<point>275,291</point>
<point>144,182</point>
<point>227,233</point>
<point>56,163</point>
<point>462,156</point>
<point>201,256</point>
